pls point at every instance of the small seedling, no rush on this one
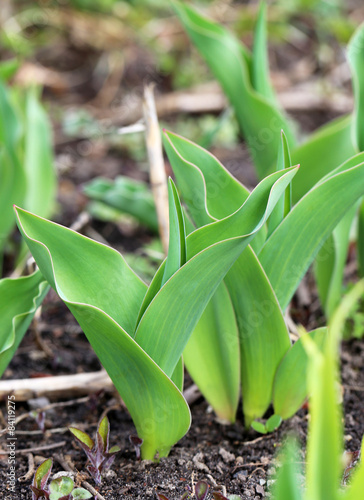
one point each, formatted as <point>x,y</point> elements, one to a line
<point>136,442</point>
<point>271,424</point>
<point>61,488</point>
<point>98,453</point>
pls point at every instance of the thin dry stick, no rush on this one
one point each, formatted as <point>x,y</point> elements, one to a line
<point>62,386</point>
<point>158,178</point>
<point>31,469</point>
<point>67,467</point>
<point>61,404</point>
<point>37,448</point>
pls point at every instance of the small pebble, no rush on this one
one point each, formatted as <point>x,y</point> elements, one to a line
<point>197,460</point>
<point>226,455</point>
<point>259,489</point>
<point>110,474</point>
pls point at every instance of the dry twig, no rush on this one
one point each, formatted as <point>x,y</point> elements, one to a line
<point>57,387</point>
<point>158,178</point>
<point>31,469</point>
<point>37,448</point>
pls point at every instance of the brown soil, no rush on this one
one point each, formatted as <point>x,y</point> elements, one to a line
<point>226,456</point>
<point>229,458</point>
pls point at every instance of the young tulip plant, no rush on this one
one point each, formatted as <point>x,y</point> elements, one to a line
<point>139,332</point>
<point>244,77</point>
<point>325,437</point>
<point>27,178</point>
<point>242,337</point>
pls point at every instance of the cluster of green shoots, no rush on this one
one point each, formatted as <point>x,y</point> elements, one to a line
<point>217,303</point>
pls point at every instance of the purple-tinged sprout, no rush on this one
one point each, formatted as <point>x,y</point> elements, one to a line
<point>201,490</point>
<point>136,442</point>
<point>98,453</point>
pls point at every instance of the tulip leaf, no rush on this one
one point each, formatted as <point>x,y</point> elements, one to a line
<point>308,225</point>
<point>290,387</point>
<point>212,355</point>
<point>330,263</point>
<point>324,150</point>
<point>38,158</point>
<point>264,338</point>
<point>205,247</point>
<point>355,57</point>
<point>285,487</point>
<point>259,120</point>
<point>284,205</point>
<point>106,297</point>
<point>125,195</point>
<point>260,65</point>
<point>19,300</point>
<point>177,235</point>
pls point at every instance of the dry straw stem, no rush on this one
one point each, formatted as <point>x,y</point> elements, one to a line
<point>56,387</point>
<point>65,386</point>
<point>158,178</point>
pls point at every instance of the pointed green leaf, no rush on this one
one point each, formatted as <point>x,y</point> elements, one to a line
<point>264,338</point>
<point>273,423</point>
<point>188,160</point>
<point>360,240</point>
<point>283,207</point>
<point>98,272</point>
<point>211,250</point>
<point>83,437</point>
<point>105,296</point>
<point>259,427</point>
<point>12,176</point>
<point>177,235</point>
<point>307,226</point>
<point>286,485</point>
<point>201,490</point>
<point>38,159</point>
<point>203,180</point>
<point>104,431</point>
<point>355,55</point>
<point>212,355</point>
<point>324,449</point>
<point>330,263</point>
<point>260,65</point>
<point>259,120</point>
<point>126,195</point>
<point>19,300</point>
<point>290,387</point>
<point>204,183</point>
<point>42,473</point>
<point>323,151</point>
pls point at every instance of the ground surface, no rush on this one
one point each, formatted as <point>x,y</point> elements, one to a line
<point>223,455</point>
<point>229,458</point>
